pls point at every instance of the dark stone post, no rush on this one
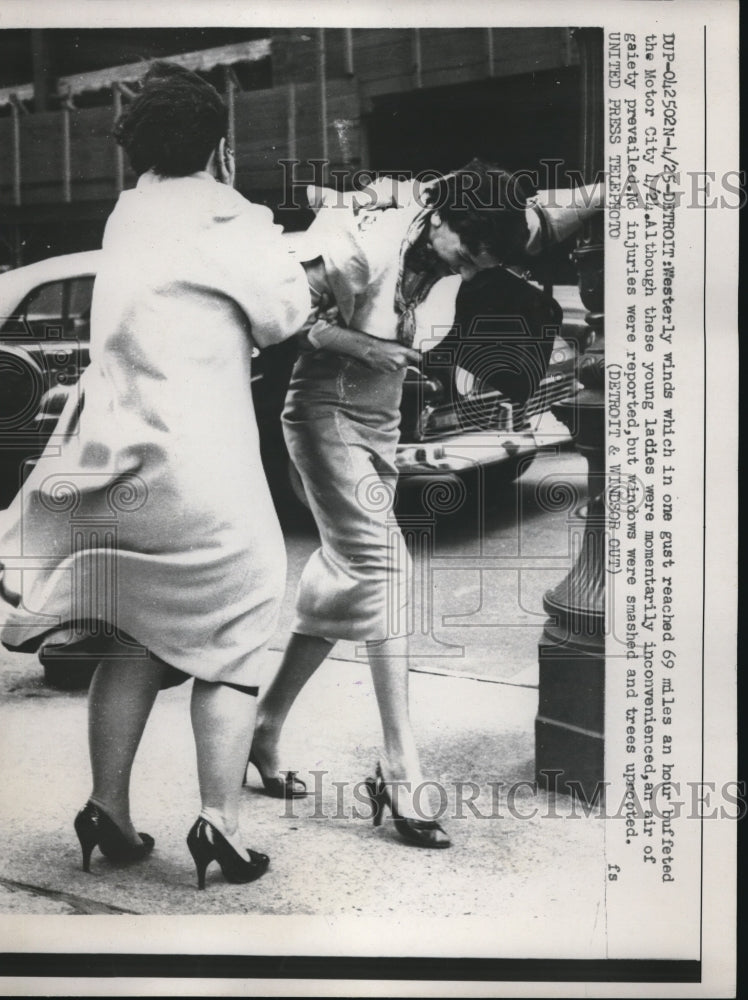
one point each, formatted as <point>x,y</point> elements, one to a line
<point>569,727</point>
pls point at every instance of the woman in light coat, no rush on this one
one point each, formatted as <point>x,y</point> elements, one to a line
<point>151,539</point>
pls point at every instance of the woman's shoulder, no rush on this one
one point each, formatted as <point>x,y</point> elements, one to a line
<point>228,204</point>
<point>171,208</point>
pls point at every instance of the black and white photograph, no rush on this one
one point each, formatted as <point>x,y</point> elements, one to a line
<point>335,545</point>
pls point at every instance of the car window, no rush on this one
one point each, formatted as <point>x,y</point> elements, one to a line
<point>81,290</point>
<point>43,309</point>
<point>45,300</point>
<point>78,311</point>
<point>56,309</point>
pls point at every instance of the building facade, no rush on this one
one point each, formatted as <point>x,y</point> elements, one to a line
<point>316,104</point>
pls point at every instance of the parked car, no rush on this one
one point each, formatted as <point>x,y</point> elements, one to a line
<point>454,430</point>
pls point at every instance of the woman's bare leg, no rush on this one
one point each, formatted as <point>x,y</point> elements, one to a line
<point>303,655</point>
<point>120,699</point>
<point>221,718</point>
<point>389,671</point>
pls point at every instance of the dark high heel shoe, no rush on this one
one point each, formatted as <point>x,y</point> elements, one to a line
<point>289,787</point>
<point>94,827</point>
<point>421,832</point>
<point>207,844</point>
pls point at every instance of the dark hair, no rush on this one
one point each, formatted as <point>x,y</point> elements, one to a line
<point>174,124</point>
<point>485,206</point>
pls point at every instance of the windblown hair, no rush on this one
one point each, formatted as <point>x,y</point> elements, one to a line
<point>485,206</point>
<point>174,124</point>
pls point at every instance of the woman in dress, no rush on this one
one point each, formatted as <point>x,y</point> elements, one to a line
<point>151,538</point>
<point>384,270</point>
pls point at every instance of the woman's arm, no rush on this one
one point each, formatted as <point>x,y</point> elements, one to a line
<point>382,355</point>
<point>260,273</point>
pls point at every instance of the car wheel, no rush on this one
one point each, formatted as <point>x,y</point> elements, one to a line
<point>69,675</point>
<point>23,386</point>
<point>456,496</point>
<point>21,390</point>
<point>497,479</point>
<point>65,668</point>
<point>438,497</point>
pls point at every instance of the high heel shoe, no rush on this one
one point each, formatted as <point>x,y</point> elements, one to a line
<point>289,787</point>
<point>94,827</point>
<point>207,844</point>
<point>421,832</point>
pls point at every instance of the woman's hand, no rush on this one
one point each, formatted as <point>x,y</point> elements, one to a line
<point>388,355</point>
<point>380,355</point>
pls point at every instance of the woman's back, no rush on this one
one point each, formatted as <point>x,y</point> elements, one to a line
<point>184,292</point>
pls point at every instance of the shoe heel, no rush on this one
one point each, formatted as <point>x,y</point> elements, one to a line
<point>289,787</point>
<point>202,854</point>
<point>201,866</point>
<point>377,801</point>
<point>422,833</point>
<point>88,837</point>
<point>207,844</point>
<point>86,852</point>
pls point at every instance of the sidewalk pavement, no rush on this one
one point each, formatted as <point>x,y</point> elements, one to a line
<point>529,868</point>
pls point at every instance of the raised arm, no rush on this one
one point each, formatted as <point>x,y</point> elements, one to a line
<point>553,216</point>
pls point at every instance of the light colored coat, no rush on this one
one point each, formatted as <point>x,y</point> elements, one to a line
<point>149,510</point>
